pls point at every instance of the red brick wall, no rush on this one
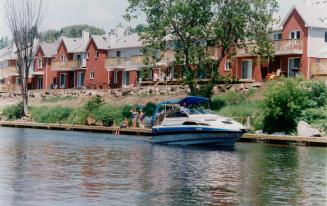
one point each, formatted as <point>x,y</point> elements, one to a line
<point>295,22</point>
<point>98,66</point>
<point>256,68</point>
<point>49,75</point>
<point>233,70</point>
<point>62,51</point>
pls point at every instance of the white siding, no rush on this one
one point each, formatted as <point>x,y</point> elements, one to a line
<point>317,47</point>
<point>126,52</point>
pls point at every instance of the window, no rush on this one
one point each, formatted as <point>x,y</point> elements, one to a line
<point>17,80</point>
<point>115,77</point>
<point>63,59</point>
<point>326,36</point>
<point>295,35</point>
<point>278,36</point>
<point>247,69</point>
<point>293,66</point>
<point>62,80</point>
<point>92,75</point>
<point>40,63</point>
<point>118,53</point>
<point>228,65</point>
<point>96,54</point>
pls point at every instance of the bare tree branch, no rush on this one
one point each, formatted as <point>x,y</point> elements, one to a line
<point>24,18</point>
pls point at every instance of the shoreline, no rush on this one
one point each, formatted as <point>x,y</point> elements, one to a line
<point>147,133</point>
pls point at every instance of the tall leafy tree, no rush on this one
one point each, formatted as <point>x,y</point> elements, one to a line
<point>73,31</point>
<point>227,24</point>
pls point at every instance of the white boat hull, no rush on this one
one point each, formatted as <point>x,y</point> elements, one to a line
<point>196,137</point>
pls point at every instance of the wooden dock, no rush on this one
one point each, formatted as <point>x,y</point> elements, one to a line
<point>283,139</point>
<point>82,128</point>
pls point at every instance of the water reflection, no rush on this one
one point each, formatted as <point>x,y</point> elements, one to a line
<point>55,168</point>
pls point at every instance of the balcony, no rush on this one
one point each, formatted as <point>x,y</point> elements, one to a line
<point>8,71</point>
<point>319,70</point>
<point>116,63</point>
<point>137,60</point>
<point>292,46</point>
<point>70,65</point>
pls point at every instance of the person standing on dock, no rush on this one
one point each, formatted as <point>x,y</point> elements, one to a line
<point>134,117</point>
<point>141,119</point>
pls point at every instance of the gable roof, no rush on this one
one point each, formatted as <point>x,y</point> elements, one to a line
<point>313,16</point>
<point>73,44</point>
<point>130,41</point>
<point>102,42</point>
<point>49,49</point>
<point>8,53</point>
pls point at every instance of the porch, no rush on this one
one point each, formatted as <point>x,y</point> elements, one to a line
<point>69,80</point>
<point>319,70</point>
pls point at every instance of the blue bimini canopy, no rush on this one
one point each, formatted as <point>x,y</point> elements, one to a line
<point>192,100</point>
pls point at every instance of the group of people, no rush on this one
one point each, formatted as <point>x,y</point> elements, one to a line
<point>137,120</point>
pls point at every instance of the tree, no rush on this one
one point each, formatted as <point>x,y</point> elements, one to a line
<point>192,25</point>
<point>24,18</point>
<point>73,31</point>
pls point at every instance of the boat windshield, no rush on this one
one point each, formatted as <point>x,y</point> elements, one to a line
<point>200,111</point>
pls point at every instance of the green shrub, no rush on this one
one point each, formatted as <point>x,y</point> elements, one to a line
<point>51,115</point>
<point>93,104</point>
<point>216,104</point>
<point>286,100</point>
<point>14,112</point>
<point>78,116</point>
<point>108,115</point>
<point>316,117</point>
<point>317,92</point>
<point>126,111</point>
<point>149,109</point>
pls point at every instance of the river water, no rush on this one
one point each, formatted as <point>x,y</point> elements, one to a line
<point>70,168</point>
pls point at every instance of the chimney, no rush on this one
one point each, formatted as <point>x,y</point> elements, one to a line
<point>85,38</point>
<point>275,15</point>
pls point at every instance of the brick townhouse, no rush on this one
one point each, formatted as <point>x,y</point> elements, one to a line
<point>45,77</point>
<point>115,60</point>
<point>300,43</point>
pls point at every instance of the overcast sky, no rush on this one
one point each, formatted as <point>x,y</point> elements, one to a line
<point>100,13</point>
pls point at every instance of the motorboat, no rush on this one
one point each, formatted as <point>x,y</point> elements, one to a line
<point>189,121</point>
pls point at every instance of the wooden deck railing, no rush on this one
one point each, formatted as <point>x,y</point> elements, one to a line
<point>137,60</point>
<point>115,62</point>
<point>292,46</point>
<point>67,65</point>
<point>319,69</point>
<point>9,71</point>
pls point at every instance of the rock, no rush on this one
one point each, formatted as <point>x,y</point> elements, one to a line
<point>99,123</point>
<point>257,85</point>
<point>305,130</point>
<point>90,121</point>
